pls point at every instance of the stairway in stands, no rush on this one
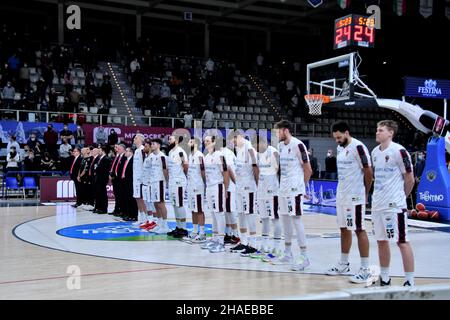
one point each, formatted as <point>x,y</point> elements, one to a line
<point>122,95</point>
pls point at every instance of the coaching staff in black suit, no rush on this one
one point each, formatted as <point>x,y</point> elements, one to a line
<point>73,173</point>
<point>126,180</point>
<point>101,178</point>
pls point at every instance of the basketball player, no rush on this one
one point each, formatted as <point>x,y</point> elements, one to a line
<point>217,180</point>
<point>178,167</point>
<point>394,180</point>
<point>247,175</point>
<point>267,197</point>
<point>355,179</point>
<point>158,180</point>
<point>196,191</point>
<point>150,223</point>
<point>295,173</point>
<point>138,161</point>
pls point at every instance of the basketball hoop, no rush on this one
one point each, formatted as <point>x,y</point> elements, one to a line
<point>315,102</point>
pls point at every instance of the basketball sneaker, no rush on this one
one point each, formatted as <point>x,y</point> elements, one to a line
<point>383,283</point>
<point>189,238</point>
<point>209,244</point>
<point>235,240</point>
<point>364,275</point>
<point>239,248</point>
<point>339,269</point>
<point>269,257</point>
<point>151,226</point>
<point>248,251</point>
<point>406,284</point>
<point>162,230</point>
<point>217,248</point>
<point>300,264</point>
<point>283,259</point>
<point>147,224</point>
<point>200,238</point>
<point>227,240</point>
<point>173,232</point>
<point>257,255</point>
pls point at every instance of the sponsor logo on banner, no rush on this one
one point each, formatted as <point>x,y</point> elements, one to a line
<point>426,196</point>
<point>431,175</point>
<point>430,89</point>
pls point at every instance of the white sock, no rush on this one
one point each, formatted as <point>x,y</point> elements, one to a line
<point>287,249</point>
<point>183,225</point>
<point>251,241</point>
<point>344,258</point>
<point>228,231</point>
<point>202,229</point>
<point>244,240</point>
<point>384,274</point>
<point>195,229</point>
<point>304,252</point>
<point>409,276</point>
<point>364,262</point>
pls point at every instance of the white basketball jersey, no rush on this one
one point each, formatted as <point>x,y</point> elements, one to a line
<point>146,170</point>
<point>176,158</point>
<point>213,168</point>
<point>389,166</point>
<point>138,162</point>
<point>196,162</point>
<point>245,179</point>
<point>157,163</point>
<point>350,163</point>
<point>230,159</point>
<point>268,183</point>
<point>292,157</point>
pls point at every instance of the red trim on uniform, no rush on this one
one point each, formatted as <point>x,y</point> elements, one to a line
<point>202,164</point>
<point>163,162</point>
<point>161,191</point>
<point>298,207</point>
<point>252,201</point>
<point>180,195</point>
<point>220,195</point>
<point>228,202</point>
<point>275,207</point>
<point>303,153</point>
<point>199,203</point>
<point>362,156</point>
<point>406,161</point>
<point>401,226</point>
<point>358,217</point>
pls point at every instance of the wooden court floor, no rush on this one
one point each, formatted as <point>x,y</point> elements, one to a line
<point>28,271</point>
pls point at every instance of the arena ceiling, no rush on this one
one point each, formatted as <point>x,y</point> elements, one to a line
<point>261,15</point>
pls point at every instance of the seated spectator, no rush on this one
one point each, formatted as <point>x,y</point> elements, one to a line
<point>12,160</point>
<point>8,95</point>
<point>12,143</point>
<point>80,136</point>
<point>113,138</point>
<point>106,93</point>
<point>31,143</point>
<point>47,163</point>
<point>64,154</point>
<point>208,117</point>
<point>188,119</point>
<point>30,162</point>
<point>101,135</point>
<point>66,133</point>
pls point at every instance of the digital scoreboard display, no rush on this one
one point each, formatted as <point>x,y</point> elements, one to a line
<point>354,30</point>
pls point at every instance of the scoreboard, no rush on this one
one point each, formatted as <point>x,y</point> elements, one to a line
<point>354,30</point>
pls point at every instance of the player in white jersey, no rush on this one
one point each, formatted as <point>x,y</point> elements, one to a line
<point>159,176</point>
<point>231,229</point>
<point>295,171</point>
<point>217,180</point>
<point>196,192</point>
<point>267,198</point>
<point>138,161</point>
<point>394,181</point>
<point>178,168</point>
<point>150,222</point>
<point>247,175</point>
<point>354,181</point>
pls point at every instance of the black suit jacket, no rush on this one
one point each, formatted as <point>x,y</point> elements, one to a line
<point>76,167</point>
<point>128,179</point>
<point>102,170</point>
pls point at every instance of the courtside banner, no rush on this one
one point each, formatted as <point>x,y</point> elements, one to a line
<point>95,133</point>
<point>62,189</point>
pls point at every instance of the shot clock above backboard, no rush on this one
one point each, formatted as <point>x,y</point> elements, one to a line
<point>354,30</point>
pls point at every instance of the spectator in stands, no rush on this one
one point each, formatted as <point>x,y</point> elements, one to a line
<point>113,138</point>
<point>12,143</point>
<point>74,100</point>
<point>66,133</point>
<point>259,63</point>
<point>165,93</point>
<point>38,150</point>
<point>210,66</point>
<point>47,76</point>
<point>420,165</point>
<point>50,141</point>
<point>330,166</point>
<point>31,143</point>
<point>80,136</point>
<point>103,110</point>
<point>137,79</point>
<point>208,117</point>
<point>8,95</point>
<point>134,64</point>
<point>13,63</point>
<point>101,135</point>
<point>188,119</point>
<point>65,150</point>
<point>68,82</point>
<point>90,93</point>
<point>12,160</point>
<point>172,107</point>
<point>24,78</point>
<point>314,164</point>
<point>53,100</point>
<point>30,162</point>
<point>106,93</point>
<point>47,163</point>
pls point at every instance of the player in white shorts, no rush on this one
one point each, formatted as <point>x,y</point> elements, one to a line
<point>267,198</point>
<point>217,180</point>
<point>150,222</point>
<point>231,227</point>
<point>394,181</point>
<point>247,175</point>
<point>196,192</point>
<point>354,182</point>
<point>158,181</point>
<point>295,171</point>
<point>138,161</point>
<point>178,167</point>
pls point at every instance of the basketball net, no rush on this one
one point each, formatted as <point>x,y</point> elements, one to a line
<point>315,102</point>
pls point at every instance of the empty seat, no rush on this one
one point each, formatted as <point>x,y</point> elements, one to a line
<point>262,117</point>
<point>240,116</point>
<point>98,101</point>
<point>222,100</point>
<point>219,107</point>
<point>148,113</point>
<point>169,74</point>
<point>264,110</point>
<point>93,110</point>
<point>271,118</point>
<point>242,109</point>
<point>112,110</point>
<point>245,125</point>
<point>139,95</point>
<point>261,125</point>
<point>251,102</point>
<point>82,82</point>
<point>224,115</point>
<point>117,120</point>
<point>255,117</point>
<point>253,94</point>
<point>269,125</point>
<point>249,109</point>
<point>235,108</point>
<point>248,116</point>
<point>232,116</point>
<point>259,102</point>
<point>254,125</point>
<point>60,99</point>
<point>221,124</point>
<point>80,74</point>
<point>257,110</point>
<point>32,70</point>
<point>226,108</point>
<point>55,80</point>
